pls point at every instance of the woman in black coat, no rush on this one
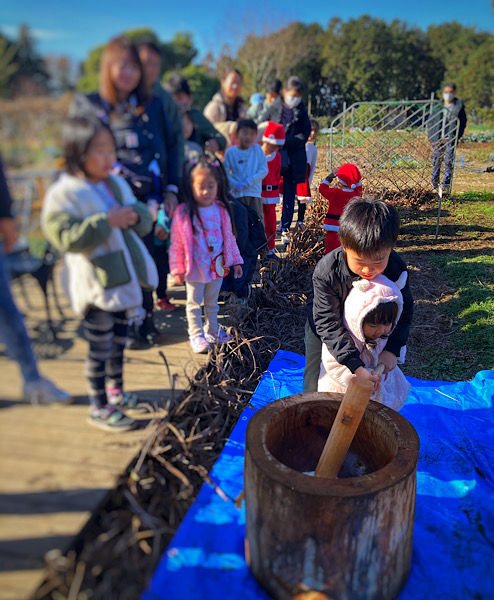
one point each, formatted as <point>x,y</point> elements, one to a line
<point>289,110</point>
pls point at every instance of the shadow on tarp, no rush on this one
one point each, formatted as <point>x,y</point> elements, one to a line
<point>454,524</point>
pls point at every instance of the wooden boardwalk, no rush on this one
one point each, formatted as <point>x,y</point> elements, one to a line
<point>55,468</point>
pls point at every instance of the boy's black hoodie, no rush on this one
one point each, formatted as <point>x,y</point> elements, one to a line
<point>332,281</point>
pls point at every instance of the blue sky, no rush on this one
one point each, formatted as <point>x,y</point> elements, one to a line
<point>74,27</point>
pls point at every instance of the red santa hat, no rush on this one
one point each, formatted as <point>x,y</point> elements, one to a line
<point>349,176</point>
<point>274,134</point>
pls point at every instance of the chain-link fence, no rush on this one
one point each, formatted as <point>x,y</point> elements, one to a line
<point>392,143</point>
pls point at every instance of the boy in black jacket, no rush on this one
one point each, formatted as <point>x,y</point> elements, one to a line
<point>368,232</point>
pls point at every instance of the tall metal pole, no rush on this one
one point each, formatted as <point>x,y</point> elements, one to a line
<point>344,123</point>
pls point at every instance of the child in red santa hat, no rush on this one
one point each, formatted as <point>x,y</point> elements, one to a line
<point>272,140</point>
<point>348,185</point>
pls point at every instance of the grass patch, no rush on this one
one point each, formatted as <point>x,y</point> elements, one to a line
<point>484,196</point>
<point>471,207</point>
<point>472,305</point>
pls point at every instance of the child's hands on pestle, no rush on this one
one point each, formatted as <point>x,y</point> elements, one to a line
<point>365,374</point>
<point>389,360</point>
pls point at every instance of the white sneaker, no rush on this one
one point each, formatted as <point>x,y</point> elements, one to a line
<point>44,391</point>
<point>199,344</point>
<point>219,338</point>
<point>285,237</point>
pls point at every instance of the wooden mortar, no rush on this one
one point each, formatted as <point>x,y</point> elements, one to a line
<point>348,538</point>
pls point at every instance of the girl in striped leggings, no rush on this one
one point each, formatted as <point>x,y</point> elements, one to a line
<point>96,222</point>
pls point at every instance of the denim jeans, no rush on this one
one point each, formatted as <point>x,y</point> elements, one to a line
<point>443,149</point>
<point>12,329</point>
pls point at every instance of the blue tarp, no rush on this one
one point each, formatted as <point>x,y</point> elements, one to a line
<point>453,552</point>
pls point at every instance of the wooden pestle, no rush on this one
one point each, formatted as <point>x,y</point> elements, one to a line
<point>345,425</point>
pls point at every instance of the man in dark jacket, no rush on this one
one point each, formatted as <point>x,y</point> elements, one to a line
<point>445,128</point>
<point>289,110</point>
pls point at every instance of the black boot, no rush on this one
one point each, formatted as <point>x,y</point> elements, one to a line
<point>148,330</point>
<point>135,341</point>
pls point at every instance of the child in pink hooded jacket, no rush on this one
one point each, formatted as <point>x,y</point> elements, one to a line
<point>371,310</point>
<point>203,247</point>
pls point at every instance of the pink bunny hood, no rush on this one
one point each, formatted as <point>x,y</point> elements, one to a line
<point>366,295</point>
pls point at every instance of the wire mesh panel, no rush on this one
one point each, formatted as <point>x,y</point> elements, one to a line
<point>392,143</point>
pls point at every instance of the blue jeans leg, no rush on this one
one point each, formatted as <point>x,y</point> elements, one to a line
<point>448,163</point>
<point>12,329</point>
<point>437,159</point>
<point>289,190</point>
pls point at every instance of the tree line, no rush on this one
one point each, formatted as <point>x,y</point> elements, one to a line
<point>361,59</point>
<point>368,59</point>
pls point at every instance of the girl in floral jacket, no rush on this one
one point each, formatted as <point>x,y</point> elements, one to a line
<point>203,247</point>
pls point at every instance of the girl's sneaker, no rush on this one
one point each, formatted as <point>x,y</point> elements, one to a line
<point>117,397</point>
<point>109,418</point>
<point>218,338</point>
<point>199,344</point>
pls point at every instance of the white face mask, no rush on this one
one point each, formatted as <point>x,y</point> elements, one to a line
<point>448,96</point>
<point>292,101</point>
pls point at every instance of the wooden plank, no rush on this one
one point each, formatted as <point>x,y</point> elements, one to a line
<point>55,469</point>
<point>22,417</point>
<point>38,476</point>
<point>14,583</point>
<point>92,455</point>
<point>54,524</point>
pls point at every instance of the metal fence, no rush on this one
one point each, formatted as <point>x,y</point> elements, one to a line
<point>390,142</point>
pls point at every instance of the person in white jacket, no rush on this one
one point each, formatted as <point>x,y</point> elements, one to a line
<point>96,222</point>
<point>371,310</point>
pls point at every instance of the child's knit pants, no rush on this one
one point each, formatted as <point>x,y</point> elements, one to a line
<point>196,294</point>
<point>106,333</point>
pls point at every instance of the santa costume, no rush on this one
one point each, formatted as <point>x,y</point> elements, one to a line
<point>350,181</point>
<point>273,134</point>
